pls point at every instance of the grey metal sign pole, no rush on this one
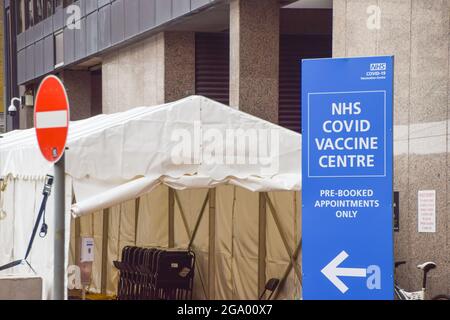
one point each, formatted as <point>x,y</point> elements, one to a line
<point>60,225</point>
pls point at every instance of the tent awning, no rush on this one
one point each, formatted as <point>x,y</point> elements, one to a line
<point>141,186</point>
<point>191,143</point>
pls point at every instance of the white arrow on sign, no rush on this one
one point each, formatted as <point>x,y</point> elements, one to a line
<point>332,272</point>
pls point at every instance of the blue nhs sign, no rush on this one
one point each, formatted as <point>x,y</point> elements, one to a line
<point>345,114</point>
<point>347,190</point>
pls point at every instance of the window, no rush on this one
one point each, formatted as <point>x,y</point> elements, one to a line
<point>49,10</point>
<point>68,3</point>
<point>59,49</point>
<point>21,17</point>
<point>30,13</point>
<point>39,11</point>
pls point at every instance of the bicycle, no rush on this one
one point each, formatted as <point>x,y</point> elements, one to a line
<point>402,294</point>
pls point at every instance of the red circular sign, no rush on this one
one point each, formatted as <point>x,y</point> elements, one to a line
<point>51,118</point>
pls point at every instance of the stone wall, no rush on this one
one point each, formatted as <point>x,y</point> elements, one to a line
<point>78,86</point>
<point>254,57</point>
<point>417,32</point>
<point>153,71</point>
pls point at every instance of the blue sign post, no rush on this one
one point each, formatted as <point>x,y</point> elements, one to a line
<point>347,112</point>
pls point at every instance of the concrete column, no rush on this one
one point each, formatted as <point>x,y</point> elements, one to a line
<point>26,113</point>
<point>153,71</point>
<point>417,32</point>
<point>78,86</point>
<point>133,76</point>
<point>428,134</point>
<point>254,57</point>
<point>179,65</point>
<point>26,118</point>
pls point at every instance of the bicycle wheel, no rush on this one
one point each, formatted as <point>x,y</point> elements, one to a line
<point>441,297</point>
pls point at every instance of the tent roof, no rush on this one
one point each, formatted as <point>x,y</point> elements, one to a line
<point>110,150</point>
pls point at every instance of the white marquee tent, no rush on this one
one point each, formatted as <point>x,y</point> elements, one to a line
<point>192,171</point>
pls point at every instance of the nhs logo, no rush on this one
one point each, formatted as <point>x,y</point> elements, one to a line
<point>378,67</point>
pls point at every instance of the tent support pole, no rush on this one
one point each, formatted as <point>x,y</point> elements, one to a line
<point>199,219</point>
<point>137,203</point>
<point>283,236</point>
<point>171,218</point>
<point>105,250</point>
<point>183,216</point>
<point>77,241</point>
<point>212,245</point>
<point>262,250</point>
<point>288,270</point>
<point>188,231</point>
<point>77,222</point>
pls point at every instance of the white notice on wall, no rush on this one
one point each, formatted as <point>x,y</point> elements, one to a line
<point>87,250</point>
<point>427,210</point>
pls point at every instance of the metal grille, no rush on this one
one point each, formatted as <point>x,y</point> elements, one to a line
<point>294,48</point>
<point>212,64</point>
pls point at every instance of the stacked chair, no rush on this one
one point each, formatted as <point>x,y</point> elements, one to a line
<point>155,274</point>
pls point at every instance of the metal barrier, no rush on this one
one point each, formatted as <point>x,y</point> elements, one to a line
<point>155,274</point>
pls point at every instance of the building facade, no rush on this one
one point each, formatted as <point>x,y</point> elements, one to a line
<point>118,54</point>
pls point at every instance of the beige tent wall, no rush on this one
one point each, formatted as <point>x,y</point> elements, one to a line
<point>153,218</point>
<point>91,226</point>
<point>191,203</point>
<point>225,196</point>
<point>236,238</point>
<point>121,234</point>
<point>287,206</point>
<point>245,223</point>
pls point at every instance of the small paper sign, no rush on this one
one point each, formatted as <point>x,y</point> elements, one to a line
<point>427,210</point>
<point>87,250</point>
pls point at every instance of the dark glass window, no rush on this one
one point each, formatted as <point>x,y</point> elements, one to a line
<point>39,16</point>
<point>48,8</point>
<point>30,13</point>
<point>68,3</point>
<point>21,17</point>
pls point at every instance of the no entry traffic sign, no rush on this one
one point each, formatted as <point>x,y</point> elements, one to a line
<point>51,118</point>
